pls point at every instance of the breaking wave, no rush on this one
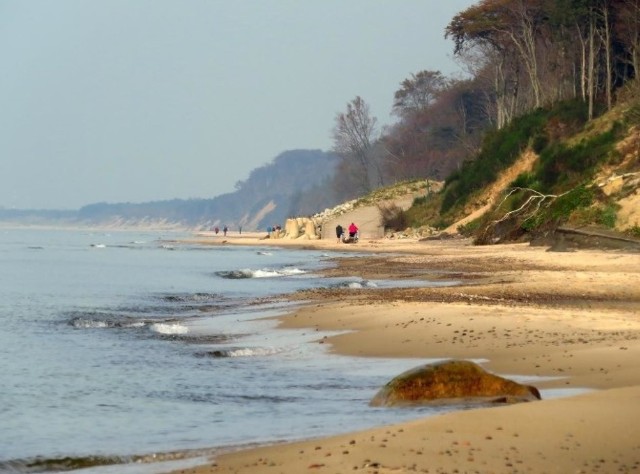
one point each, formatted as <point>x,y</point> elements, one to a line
<point>98,320</point>
<point>263,273</point>
<point>169,328</point>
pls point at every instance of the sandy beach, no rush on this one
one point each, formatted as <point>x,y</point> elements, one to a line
<point>571,318</point>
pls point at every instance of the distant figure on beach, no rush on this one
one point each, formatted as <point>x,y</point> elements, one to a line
<point>216,230</point>
<point>339,232</point>
<point>353,231</point>
<point>225,230</point>
<point>240,229</point>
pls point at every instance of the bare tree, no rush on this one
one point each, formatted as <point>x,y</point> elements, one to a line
<point>354,137</point>
<point>628,21</point>
<point>505,31</point>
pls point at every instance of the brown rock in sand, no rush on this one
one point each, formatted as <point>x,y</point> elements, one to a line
<point>451,381</point>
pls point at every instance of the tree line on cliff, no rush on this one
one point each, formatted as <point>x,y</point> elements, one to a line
<point>544,77</point>
<point>519,56</point>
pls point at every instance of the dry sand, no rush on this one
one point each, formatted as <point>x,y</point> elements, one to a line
<point>572,316</point>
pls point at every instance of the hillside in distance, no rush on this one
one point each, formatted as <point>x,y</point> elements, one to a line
<point>293,183</point>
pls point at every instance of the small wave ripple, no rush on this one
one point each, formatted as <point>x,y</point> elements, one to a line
<point>98,321</point>
<point>240,352</point>
<point>191,298</point>
<point>356,284</point>
<point>41,464</point>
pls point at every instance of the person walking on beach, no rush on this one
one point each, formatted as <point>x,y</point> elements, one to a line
<point>339,232</point>
<point>224,230</point>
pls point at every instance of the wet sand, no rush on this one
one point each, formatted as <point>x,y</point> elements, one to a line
<point>570,317</point>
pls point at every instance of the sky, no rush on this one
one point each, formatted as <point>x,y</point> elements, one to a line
<point>143,100</point>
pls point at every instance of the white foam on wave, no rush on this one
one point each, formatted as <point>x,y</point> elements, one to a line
<point>81,323</point>
<point>89,324</point>
<point>138,324</point>
<point>98,246</point>
<point>268,273</point>
<point>263,273</point>
<point>251,352</point>
<point>292,271</point>
<point>169,328</point>
<point>361,284</point>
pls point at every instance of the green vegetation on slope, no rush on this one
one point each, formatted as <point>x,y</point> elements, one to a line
<point>560,189</point>
<point>537,130</point>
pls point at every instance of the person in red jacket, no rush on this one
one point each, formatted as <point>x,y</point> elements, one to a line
<point>353,231</point>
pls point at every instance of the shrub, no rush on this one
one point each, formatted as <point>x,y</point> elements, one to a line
<point>607,216</point>
<point>539,142</point>
<point>562,164</point>
<point>524,180</point>
<point>419,201</point>
<point>470,228</point>
<point>563,206</point>
<point>394,217</point>
<point>442,223</point>
<point>634,231</point>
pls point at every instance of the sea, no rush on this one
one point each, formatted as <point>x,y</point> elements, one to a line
<point>133,352</point>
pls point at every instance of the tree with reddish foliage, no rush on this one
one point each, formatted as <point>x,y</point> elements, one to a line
<point>418,92</point>
<point>432,140</point>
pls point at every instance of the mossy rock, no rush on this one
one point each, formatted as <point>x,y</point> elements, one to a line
<point>452,381</point>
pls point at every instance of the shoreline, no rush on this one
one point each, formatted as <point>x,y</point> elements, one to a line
<point>572,316</point>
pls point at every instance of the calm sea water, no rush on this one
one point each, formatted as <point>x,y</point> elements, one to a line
<point>116,345</point>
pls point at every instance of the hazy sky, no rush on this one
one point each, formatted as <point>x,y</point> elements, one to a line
<point>139,100</point>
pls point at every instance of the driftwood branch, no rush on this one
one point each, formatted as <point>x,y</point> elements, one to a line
<point>531,206</point>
